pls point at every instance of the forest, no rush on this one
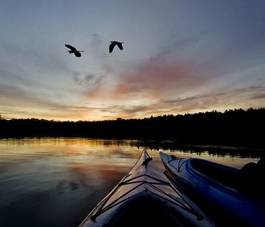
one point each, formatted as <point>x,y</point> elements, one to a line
<point>236,127</point>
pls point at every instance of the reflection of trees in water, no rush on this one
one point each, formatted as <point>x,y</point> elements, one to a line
<point>243,152</point>
<point>231,128</point>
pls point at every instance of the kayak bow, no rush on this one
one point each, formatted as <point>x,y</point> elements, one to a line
<point>145,197</point>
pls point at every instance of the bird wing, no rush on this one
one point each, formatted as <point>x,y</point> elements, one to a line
<point>111,47</point>
<point>70,47</point>
<point>120,46</point>
<point>77,54</point>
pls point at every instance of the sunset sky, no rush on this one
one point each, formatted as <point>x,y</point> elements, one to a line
<point>179,56</point>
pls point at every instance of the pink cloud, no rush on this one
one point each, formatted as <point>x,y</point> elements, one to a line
<point>156,77</point>
<point>149,80</point>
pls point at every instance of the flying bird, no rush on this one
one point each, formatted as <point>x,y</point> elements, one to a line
<point>113,44</point>
<point>73,50</point>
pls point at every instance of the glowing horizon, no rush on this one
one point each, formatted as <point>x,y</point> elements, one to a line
<point>179,57</point>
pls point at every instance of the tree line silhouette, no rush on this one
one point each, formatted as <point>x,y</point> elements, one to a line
<point>233,127</point>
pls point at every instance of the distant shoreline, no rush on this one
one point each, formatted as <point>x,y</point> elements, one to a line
<point>232,128</point>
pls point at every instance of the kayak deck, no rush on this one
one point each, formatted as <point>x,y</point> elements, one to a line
<point>144,211</point>
<point>145,197</point>
<point>223,174</point>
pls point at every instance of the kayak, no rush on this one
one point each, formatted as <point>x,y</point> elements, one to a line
<point>214,187</point>
<point>145,197</point>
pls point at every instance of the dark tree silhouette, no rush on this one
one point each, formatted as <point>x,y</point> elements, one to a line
<point>234,127</point>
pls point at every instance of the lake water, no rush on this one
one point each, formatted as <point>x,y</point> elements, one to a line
<point>56,182</point>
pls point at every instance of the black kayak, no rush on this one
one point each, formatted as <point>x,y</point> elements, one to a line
<point>215,187</point>
<point>145,197</point>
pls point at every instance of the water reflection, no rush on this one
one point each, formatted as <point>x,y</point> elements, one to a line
<point>56,182</point>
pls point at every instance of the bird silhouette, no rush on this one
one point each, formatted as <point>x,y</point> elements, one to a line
<point>113,44</point>
<point>73,50</point>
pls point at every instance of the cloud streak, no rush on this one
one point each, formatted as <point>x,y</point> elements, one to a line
<point>207,102</point>
<point>87,80</point>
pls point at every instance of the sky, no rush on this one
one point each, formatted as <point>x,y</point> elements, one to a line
<point>180,56</point>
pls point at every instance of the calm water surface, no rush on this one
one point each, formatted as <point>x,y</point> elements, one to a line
<point>56,182</point>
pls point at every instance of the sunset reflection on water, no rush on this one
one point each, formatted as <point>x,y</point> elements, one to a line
<point>57,181</point>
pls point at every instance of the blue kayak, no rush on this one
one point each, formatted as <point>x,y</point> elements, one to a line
<point>216,189</point>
